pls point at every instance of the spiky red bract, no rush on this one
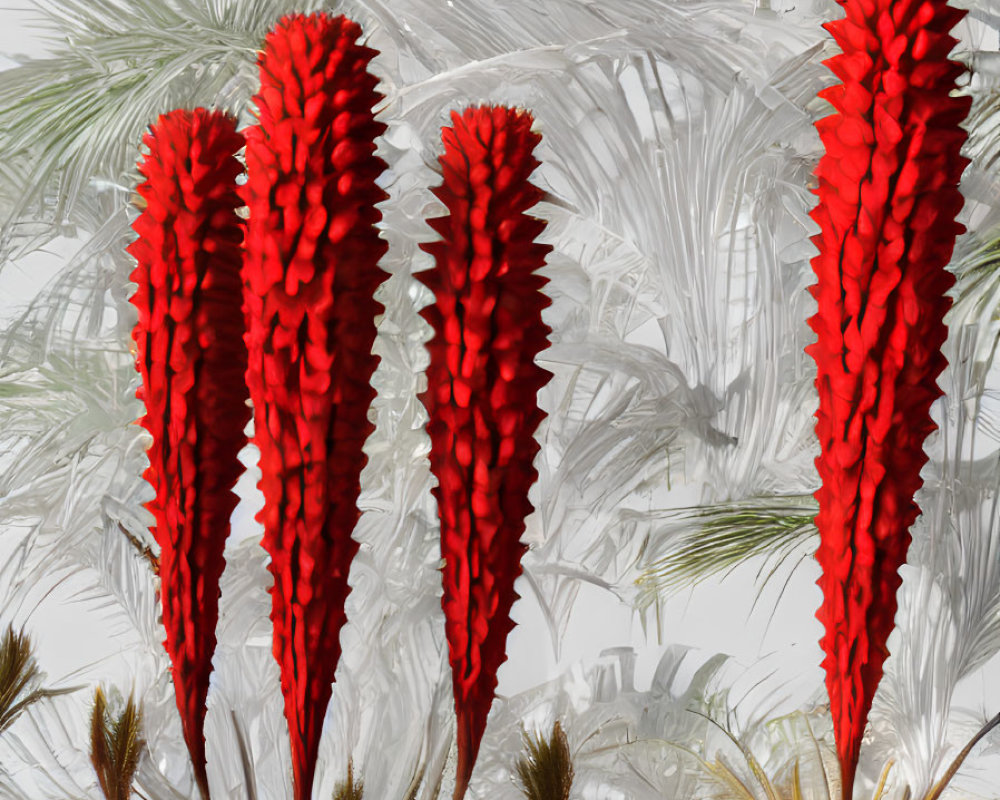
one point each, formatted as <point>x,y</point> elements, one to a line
<point>311,270</point>
<point>888,198</point>
<point>192,358</point>
<point>482,384</point>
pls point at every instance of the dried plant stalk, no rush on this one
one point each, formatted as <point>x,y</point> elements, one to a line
<point>546,772</point>
<point>19,677</point>
<point>349,790</point>
<point>115,746</point>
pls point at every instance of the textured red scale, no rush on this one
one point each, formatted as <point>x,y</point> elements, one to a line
<point>888,198</point>
<point>311,270</point>
<point>481,397</point>
<point>192,358</point>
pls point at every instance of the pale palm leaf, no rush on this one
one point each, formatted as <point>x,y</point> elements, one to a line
<point>77,115</point>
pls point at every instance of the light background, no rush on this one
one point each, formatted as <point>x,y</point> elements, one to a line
<point>717,617</point>
<point>776,636</point>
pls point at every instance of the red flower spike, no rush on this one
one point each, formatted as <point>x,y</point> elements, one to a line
<point>888,198</point>
<point>192,358</point>
<point>481,396</point>
<point>311,270</point>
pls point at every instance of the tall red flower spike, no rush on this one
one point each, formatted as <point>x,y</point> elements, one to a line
<point>888,198</point>
<point>481,396</point>
<point>311,270</point>
<point>192,358</point>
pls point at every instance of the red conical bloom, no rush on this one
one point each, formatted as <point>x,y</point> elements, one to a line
<point>481,397</point>
<point>192,358</point>
<point>887,203</point>
<point>311,270</point>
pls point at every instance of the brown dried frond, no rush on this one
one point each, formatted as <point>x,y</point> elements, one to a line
<point>546,771</point>
<point>115,746</point>
<point>349,790</point>
<point>19,677</point>
<point>143,549</point>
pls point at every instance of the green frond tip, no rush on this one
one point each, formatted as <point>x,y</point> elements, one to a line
<point>115,746</point>
<point>705,540</point>
<point>349,790</point>
<point>20,677</point>
<point>982,262</point>
<point>545,772</point>
<point>977,285</point>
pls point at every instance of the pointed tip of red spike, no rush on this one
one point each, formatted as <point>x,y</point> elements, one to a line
<point>467,750</point>
<point>201,780</point>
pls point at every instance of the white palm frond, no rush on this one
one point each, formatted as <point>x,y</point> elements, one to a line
<point>246,692</point>
<point>71,122</point>
<point>620,737</point>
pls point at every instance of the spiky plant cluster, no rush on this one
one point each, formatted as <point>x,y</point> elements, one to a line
<point>888,198</point>
<point>311,271</point>
<point>116,745</point>
<point>20,677</point>
<point>545,772</point>
<point>191,358</point>
<point>482,383</point>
